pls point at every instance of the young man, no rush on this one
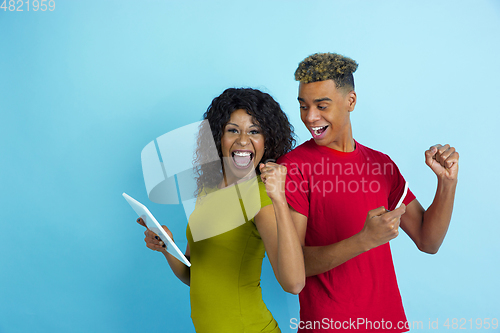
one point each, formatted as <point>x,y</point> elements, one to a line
<point>343,196</point>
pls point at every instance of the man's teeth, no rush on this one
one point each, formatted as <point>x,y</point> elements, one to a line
<point>317,130</point>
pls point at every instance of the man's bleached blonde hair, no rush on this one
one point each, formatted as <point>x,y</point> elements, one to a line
<point>327,66</point>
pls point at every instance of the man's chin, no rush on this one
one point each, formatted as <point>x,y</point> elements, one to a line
<point>321,142</point>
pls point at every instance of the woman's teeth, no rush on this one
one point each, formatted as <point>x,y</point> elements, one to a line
<point>242,158</point>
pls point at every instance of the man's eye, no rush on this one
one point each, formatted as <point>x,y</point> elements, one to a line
<point>321,107</point>
<point>302,107</point>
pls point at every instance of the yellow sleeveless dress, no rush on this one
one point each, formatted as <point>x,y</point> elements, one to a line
<point>225,277</point>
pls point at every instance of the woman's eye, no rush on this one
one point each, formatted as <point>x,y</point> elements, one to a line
<point>232,130</point>
<point>254,132</point>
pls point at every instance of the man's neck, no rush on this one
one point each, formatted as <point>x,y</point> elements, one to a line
<point>344,143</point>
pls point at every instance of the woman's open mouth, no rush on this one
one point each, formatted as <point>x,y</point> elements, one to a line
<point>242,158</point>
<point>317,132</point>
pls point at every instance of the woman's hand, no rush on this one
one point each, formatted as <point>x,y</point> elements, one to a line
<point>274,177</point>
<point>153,241</point>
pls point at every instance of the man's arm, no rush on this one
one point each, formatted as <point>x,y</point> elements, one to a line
<point>427,228</point>
<point>380,227</point>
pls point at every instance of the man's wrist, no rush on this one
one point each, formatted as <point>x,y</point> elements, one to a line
<point>360,240</point>
<point>447,182</point>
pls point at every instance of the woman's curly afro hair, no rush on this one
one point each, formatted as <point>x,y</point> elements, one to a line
<point>277,130</point>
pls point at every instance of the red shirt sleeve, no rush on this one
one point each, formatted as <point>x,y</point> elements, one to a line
<point>397,189</point>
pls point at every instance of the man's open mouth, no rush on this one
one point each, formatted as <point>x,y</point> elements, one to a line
<point>317,131</point>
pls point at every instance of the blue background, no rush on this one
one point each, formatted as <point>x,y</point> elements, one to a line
<point>84,88</point>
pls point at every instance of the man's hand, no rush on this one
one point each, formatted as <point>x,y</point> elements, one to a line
<point>381,226</point>
<point>443,160</point>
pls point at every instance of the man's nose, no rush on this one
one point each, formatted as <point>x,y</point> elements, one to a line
<point>312,115</point>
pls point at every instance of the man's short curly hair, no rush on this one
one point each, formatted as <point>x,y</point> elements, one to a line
<point>327,66</point>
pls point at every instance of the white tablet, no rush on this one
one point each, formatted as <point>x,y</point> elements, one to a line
<point>155,227</point>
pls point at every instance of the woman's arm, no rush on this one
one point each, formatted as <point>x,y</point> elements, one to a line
<point>156,244</point>
<point>278,233</point>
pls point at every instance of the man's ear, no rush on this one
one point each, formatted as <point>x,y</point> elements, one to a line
<point>351,100</point>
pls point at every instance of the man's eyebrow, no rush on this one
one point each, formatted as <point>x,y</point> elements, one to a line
<point>322,99</point>
<point>317,100</point>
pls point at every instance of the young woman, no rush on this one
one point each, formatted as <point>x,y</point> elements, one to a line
<point>249,128</point>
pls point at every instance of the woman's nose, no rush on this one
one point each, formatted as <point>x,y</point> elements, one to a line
<point>243,139</point>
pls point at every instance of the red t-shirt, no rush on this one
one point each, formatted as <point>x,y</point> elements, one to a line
<point>335,191</point>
